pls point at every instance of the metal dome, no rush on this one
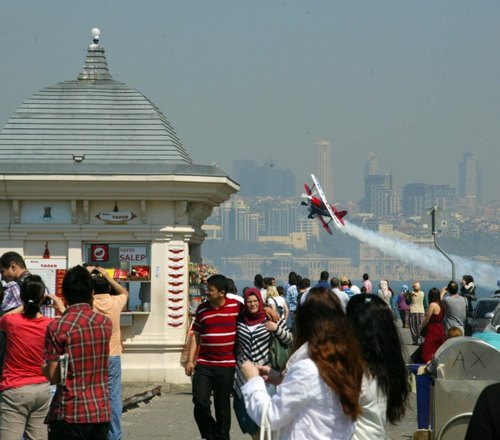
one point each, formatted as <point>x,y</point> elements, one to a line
<point>94,120</point>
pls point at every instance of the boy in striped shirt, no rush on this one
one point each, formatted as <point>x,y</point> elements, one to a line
<point>214,335</point>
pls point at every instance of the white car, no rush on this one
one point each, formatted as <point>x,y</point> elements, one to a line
<point>483,313</point>
<point>494,325</point>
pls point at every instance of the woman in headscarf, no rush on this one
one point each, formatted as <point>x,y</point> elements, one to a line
<point>318,396</point>
<point>385,292</point>
<point>254,334</point>
<point>403,305</point>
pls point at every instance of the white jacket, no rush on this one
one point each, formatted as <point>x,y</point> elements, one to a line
<point>304,406</point>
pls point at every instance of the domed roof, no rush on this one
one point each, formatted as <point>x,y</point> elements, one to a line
<point>94,120</point>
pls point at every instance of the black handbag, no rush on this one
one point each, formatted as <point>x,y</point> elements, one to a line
<point>423,332</point>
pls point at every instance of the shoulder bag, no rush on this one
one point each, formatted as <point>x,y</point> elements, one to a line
<point>279,309</point>
<point>279,353</point>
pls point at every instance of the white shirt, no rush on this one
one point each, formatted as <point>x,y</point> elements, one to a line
<point>371,424</point>
<point>304,406</point>
<point>280,302</point>
<point>355,289</point>
<point>342,296</point>
<point>263,293</point>
<point>303,297</point>
<point>236,297</point>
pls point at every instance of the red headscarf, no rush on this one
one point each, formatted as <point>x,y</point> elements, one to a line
<point>253,318</point>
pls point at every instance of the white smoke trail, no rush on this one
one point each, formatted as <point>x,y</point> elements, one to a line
<point>484,275</point>
<point>426,258</point>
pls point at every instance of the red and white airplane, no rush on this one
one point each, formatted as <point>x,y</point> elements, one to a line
<point>319,207</point>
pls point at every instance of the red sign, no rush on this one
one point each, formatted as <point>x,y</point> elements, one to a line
<point>59,279</point>
<point>99,252</point>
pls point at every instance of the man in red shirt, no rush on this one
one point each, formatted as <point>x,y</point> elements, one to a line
<point>80,408</point>
<point>214,336</point>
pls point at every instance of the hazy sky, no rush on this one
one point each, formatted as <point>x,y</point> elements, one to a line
<point>417,83</point>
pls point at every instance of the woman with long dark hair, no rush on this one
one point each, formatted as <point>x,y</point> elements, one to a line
<point>25,390</point>
<point>320,389</point>
<point>468,291</point>
<point>432,325</point>
<point>385,384</point>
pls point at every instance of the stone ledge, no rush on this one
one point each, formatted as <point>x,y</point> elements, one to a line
<point>130,389</point>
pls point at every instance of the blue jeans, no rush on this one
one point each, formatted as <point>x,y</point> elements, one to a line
<point>115,397</point>
<point>247,425</point>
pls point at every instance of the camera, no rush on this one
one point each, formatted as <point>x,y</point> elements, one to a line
<point>47,301</point>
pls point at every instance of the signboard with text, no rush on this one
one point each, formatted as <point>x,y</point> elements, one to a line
<point>51,270</point>
<point>133,254</point>
<point>116,217</point>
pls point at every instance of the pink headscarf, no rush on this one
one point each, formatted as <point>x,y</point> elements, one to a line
<point>253,318</point>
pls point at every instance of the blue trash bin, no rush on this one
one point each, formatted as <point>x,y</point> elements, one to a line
<point>423,382</point>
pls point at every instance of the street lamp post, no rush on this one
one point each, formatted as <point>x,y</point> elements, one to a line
<point>433,211</point>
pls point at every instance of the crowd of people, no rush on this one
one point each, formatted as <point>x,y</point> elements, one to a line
<point>326,354</point>
<point>78,354</point>
<point>346,375</point>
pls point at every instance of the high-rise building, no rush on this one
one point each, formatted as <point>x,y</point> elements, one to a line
<point>469,180</point>
<point>385,202</point>
<point>281,218</point>
<point>414,199</point>
<point>371,165</point>
<point>443,196</point>
<point>418,198</point>
<point>380,199</point>
<point>324,166</point>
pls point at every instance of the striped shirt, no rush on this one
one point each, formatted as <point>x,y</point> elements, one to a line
<point>253,344</point>
<point>216,327</point>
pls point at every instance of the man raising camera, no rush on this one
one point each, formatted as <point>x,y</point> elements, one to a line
<point>111,305</point>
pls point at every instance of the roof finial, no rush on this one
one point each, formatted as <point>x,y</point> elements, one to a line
<point>96,33</point>
<point>95,67</point>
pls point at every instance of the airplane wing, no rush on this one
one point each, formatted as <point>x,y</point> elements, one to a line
<point>323,223</point>
<point>322,195</point>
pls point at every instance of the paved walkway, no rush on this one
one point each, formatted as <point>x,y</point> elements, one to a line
<point>170,416</point>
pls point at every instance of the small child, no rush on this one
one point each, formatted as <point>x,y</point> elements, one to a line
<point>454,332</point>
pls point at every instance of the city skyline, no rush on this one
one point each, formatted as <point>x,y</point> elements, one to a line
<point>378,188</point>
<point>275,235</point>
<point>415,83</point>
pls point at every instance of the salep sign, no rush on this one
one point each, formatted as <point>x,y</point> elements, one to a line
<point>133,254</point>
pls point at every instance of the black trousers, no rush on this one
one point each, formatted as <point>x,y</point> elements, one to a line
<point>61,430</point>
<point>218,380</point>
